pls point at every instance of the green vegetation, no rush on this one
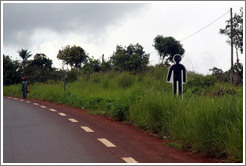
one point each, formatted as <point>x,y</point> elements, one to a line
<point>208,121</point>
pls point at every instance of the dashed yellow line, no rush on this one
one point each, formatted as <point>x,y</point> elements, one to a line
<point>62,114</point>
<point>129,160</point>
<point>106,142</point>
<point>53,110</point>
<point>87,129</point>
<point>73,120</point>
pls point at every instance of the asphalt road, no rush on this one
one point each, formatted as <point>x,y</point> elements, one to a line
<point>41,132</point>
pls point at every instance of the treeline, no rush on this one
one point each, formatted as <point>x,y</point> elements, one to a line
<point>130,58</point>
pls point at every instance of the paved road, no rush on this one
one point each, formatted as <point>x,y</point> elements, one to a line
<point>41,132</point>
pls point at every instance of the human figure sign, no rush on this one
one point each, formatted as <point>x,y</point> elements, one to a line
<point>178,74</point>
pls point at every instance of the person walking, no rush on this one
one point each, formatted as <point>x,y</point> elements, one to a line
<point>24,87</point>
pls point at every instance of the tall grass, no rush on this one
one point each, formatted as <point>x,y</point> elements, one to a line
<point>202,122</point>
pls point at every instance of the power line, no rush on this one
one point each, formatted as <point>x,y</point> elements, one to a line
<point>198,32</point>
<point>205,26</point>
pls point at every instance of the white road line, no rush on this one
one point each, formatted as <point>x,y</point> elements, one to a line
<point>42,106</point>
<point>21,100</point>
<point>10,97</point>
<point>53,110</point>
<point>72,120</point>
<point>129,160</point>
<point>87,129</point>
<point>62,114</point>
<point>35,104</point>
<point>15,99</point>
<point>28,102</point>
<point>106,142</point>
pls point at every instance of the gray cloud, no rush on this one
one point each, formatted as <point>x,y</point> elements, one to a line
<point>20,20</point>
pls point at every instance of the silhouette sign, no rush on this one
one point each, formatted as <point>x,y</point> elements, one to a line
<point>177,75</point>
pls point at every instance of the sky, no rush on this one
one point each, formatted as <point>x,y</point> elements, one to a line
<point>98,27</point>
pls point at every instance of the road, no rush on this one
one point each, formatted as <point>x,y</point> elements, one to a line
<point>40,132</point>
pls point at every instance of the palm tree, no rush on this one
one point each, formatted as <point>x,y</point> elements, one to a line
<point>24,54</point>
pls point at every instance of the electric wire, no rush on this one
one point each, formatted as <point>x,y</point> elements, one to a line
<point>205,26</point>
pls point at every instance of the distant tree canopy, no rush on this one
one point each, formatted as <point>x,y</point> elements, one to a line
<point>234,29</point>
<point>237,23</point>
<point>93,65</point>
<point>130,58</point>
<point>11,71</point>
<point>40,69</point>
<point>74,56</point>
<point>167,47</point>
<point>24,54</point>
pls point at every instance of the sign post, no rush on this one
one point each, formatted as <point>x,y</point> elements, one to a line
<point>177,75</point>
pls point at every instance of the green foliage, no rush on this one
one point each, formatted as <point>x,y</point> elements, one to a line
<point>199,84</point>
<point>74,56</point>
<point>202,122</point>
<point>237,23</point>
<point>24,54</point>
<point>39,69</point>
<point>93,65</point>
<point>11,71</point>
<point>131,58</point>
<point>167,47</point>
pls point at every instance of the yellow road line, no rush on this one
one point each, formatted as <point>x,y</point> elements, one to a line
<point>72,120</point>
<point>87,129</point>
<point>129,160</point>
<point>53,110</point>
<point>106,142</point>
<point>62,114</point>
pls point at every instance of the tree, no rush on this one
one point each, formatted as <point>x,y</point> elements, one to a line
<point>236,32</point>
<point>74,56</point>
<point>24,54</point>
<point>167,47</point>
<point>40,68</point>
<point>93,65</point>
<point>11,71</point>
<point>130,58</point>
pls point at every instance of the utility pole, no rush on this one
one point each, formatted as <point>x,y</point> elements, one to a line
<point>65,76</point>
<point>231,74</point>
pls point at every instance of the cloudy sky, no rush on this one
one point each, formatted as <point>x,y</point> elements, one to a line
<point>99,27</point>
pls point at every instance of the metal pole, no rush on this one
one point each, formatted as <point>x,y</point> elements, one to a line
<point>231,74</point>
<point>65,76</point>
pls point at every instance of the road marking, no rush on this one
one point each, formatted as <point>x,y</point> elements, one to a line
<point>53,110</point>
<point>87,129</point>
<point>42,106</point>
<point>28,102</point>
<point>15,99</point>
<point>106,142</point>
<point>72,120</point>
<point>10,97</point>
<point>35,104</point>
<point>62,114</point>
<point>129,160</point>
<point>21,100</point>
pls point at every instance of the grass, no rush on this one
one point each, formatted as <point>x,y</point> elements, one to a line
<point>208,121</point>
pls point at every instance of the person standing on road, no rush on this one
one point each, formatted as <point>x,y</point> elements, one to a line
<point>24,87</point>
